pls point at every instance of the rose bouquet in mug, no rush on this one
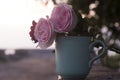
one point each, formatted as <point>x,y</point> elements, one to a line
<point>65,20</point>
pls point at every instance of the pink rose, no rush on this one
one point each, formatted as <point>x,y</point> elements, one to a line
<point>64,18</point>
<point>44,33</point>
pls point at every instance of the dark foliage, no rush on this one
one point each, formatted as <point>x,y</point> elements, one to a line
<point>107,14</point>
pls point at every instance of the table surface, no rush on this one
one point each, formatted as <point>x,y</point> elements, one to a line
<point>42,67</point>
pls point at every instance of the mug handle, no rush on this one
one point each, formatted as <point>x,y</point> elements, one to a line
<point>104,51</point>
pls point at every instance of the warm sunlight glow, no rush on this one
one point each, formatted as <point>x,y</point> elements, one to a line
<point>15,20</point>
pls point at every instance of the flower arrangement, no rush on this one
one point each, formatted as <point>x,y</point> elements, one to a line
<point>65,20</point>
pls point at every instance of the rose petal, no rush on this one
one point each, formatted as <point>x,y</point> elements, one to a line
<point>31,33</point>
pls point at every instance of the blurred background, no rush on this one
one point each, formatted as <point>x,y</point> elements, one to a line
<point>16,18</point>
<point>22,60</point>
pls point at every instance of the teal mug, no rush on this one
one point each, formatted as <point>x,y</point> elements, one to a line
<point>72,55</point>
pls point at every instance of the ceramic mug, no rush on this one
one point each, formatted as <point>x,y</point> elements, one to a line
<point>73,59</point>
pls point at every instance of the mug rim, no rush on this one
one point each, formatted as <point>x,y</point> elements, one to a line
<point>74,37</point>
